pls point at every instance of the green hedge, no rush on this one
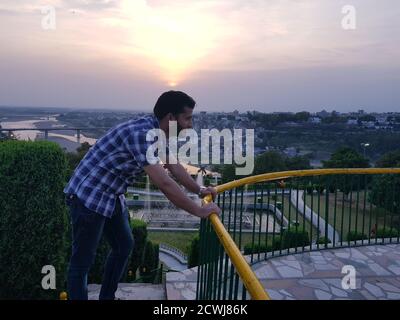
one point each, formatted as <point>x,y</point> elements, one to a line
<point>354,236</point>
<point>293,239</point>
<point>194,251</point>
<point>262,248</point>
<point>387,233</point>
<point>139,231</point>
<point>323,240</point>
<point>290,239</point>
<point>33,218</point>
<point>148,266</point>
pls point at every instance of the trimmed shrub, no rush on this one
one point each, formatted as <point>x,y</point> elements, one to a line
<point>33,219</point>
<point>194,251</point>
<point>309,189</point>
<point>293,239</point>
<point>323,240</point>
<point>147,268</point>
<point>139,231</point>
<point>386,233</point>
<point>354,236</point>
<point>319,188</point>
<point>156,247</point>
<point>262,248</point>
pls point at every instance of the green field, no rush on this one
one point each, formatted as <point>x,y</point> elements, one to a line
<point>352,213</point>
<point>181,240</point>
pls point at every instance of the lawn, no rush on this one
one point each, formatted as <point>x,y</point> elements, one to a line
<point>353,213</point>
<point>181,240</point>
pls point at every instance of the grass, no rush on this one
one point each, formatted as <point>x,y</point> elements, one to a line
<point>355,215</point>
<point>181,240</point>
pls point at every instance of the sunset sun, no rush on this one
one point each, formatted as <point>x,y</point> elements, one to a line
<point>175,40</point>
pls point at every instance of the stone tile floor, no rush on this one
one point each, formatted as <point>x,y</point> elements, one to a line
<point>131,291</point>
<point>316,275</point>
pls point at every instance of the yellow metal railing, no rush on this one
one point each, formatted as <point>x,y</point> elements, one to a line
<point>246,274</point>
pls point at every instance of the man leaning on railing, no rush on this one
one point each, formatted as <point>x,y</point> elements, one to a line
<point>95,193</point>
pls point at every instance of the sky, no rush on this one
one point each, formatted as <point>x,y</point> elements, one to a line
<point>265,55</point>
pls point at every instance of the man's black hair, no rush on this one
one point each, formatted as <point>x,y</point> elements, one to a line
<point>172,102</point>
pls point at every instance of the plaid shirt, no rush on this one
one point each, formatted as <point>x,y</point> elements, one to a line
<point>111,165</point>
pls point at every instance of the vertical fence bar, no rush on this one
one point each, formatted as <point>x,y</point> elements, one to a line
<point>221,255</point>
<point>260,224</point>
<point>343,204</point>
<point>397,209</point>
<point>312,211</point>
<point>236,287</point>
<point>282,210</point>
<point>326,211</point>
<point>334,211</point>
<point>385,209</point>
<point>350,207</point>
<point>297,210</point>
<point>376,223</point>
<point>304,216</point>
<point>209,259</point>
<point>357,204</point>
<point>240,235</point>
<point>392,210</point>
<point>364,206</point>
<point>254,222</point>
<point>290,210</point>
<point>267,227</point>
<point>199,291</point>
<point>319,209</point>
<point>232,268</point>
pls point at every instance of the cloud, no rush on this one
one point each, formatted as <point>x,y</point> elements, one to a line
<point>177,41</point>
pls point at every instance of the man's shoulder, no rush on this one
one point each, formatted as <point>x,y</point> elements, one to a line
<point>140,123</point>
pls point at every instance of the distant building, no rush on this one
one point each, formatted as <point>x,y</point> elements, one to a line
<point>315,120</point>
<point>352,122</point>
<point>368,124</point>
<point>323,114</point>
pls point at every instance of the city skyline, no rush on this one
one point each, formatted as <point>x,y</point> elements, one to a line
<point>270,57</point>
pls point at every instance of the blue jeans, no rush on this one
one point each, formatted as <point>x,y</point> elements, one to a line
<point>87,229</point>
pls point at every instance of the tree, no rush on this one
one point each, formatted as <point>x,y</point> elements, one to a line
<point>385,189</point>
<point>139,230</point>
<point>148,266</point>
<point>194,248</point>
<point>270,161</point>
<point>302,116</point>
<point>389,160</point>
<point>346,158</point>
<point>297,163</point>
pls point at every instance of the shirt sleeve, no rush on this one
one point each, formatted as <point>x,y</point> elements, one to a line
<point>139,143</point>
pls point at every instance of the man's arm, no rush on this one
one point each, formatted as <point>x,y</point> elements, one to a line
<point>183,177</point>
<point>175,194</point>
<point>187,181</point>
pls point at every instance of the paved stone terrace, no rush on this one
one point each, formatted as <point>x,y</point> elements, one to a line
<point>316,275</point>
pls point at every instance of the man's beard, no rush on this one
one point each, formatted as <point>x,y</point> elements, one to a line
<point>179,128</point>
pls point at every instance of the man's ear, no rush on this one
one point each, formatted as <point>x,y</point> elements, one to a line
<point>172,117</point>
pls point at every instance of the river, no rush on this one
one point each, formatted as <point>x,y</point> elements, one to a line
<point>67,139</point>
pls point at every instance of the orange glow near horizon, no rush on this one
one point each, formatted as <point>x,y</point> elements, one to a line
<point>174,39</point>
